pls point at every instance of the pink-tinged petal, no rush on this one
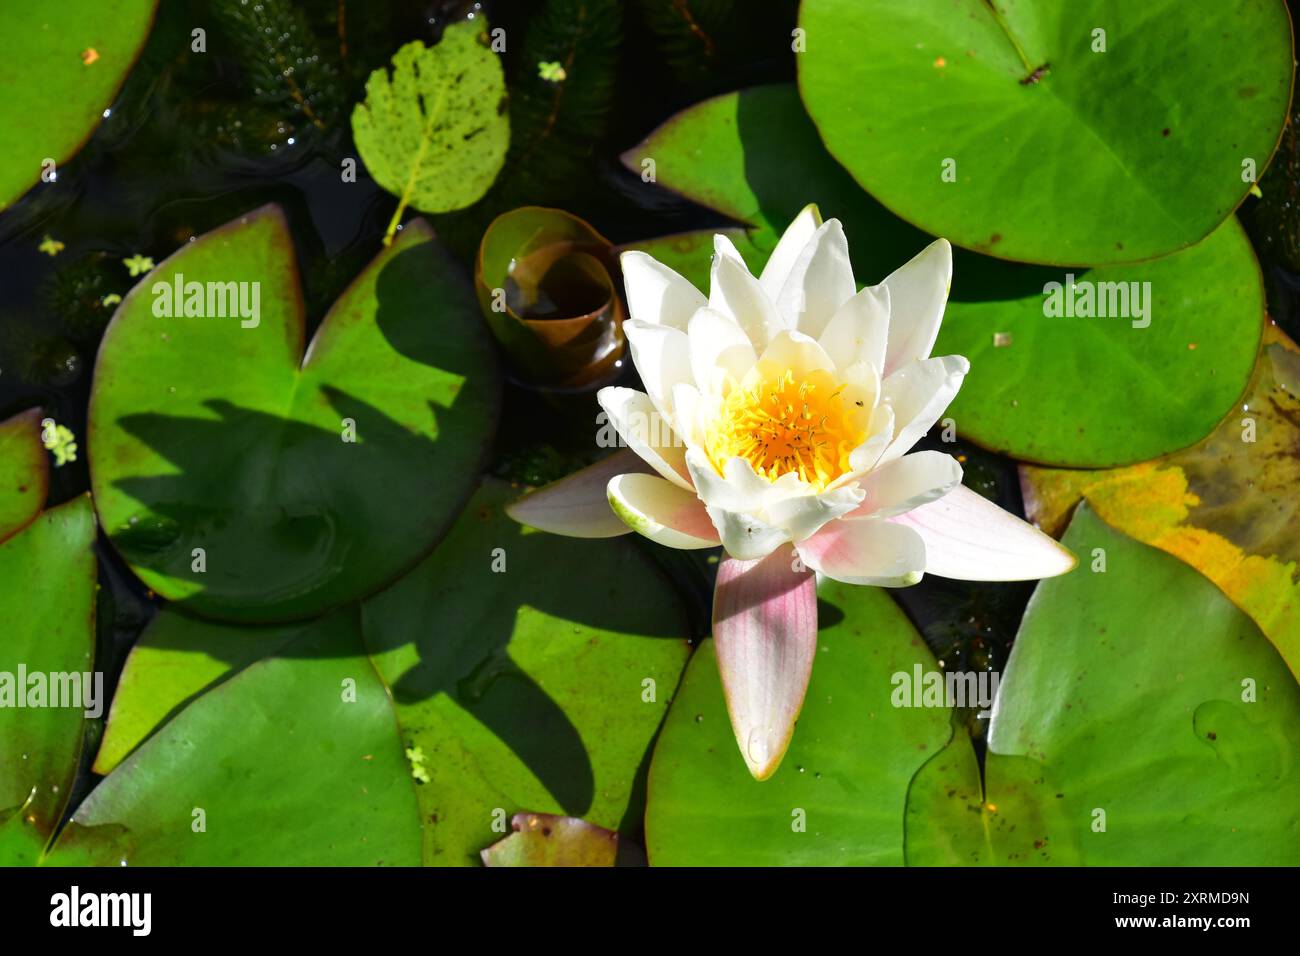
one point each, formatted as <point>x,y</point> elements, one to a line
<point>662,512</point>
<point>969,538</point>
<point>802,516</point>
<point>918,293</point>
<point>576,505</point>
<point>765,635</point>
<point>908,482</point>
<point>866,551</point>
<point>656,294</point>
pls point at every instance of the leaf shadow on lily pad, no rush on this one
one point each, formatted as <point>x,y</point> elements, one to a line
<point>295,515</point>
<point>445,628</point>
<point>266,538</point>
<point>460,619</point>
<point>297,497</point>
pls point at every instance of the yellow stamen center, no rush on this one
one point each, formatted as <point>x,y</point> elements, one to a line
<point>781,423</point>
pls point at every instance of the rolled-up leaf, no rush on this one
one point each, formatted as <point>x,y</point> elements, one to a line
<point>546,282</point>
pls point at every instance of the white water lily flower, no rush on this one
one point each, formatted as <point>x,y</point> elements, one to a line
<point>777,420</point>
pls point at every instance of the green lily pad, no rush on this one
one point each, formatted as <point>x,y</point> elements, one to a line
<point>24,471</point>
<point>950,821</point>
<point>530,672</point>
<point>1123,706</point>
<point>1154,707</point>
<point>1061,389</point>
<point>47,600</point>
<point>62,68</point>
<point>174,661</point>
<point>513,689</point>
<point>839,795</point>
<point>1117,146</point>
<point>306,481</point>
<point>1226,506</point>
<point>755,156</point>
<point>292,761</point>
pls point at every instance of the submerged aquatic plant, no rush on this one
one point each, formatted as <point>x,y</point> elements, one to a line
<point>777,422</point>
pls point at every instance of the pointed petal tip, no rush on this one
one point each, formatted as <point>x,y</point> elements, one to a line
<point>956,364</point>
<point>765,639</point>
<point>576,506</point>
<point>764,771</point>
<point>969,538</point>
<point>1069,560</point>
<point>941,248</point>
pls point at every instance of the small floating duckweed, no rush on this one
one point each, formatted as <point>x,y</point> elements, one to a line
<point>60,441</point>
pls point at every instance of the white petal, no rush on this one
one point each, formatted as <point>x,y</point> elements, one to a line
<point>740,489</point>
<point>645,431</point>
<point>656,294</point>
<point>919,392</point>
<point>718,348</point>
<point>969,538</point>
<point>736,294</point>
<point>662,512</point>
<point>859,330</point>
<point>723,246</point>
<point>908,482</point>
<point>797,235</point>
<point>686,414</point>
<point>765,636</point>
<point>820,281</point>
<point>867,455</point>
<point>797,352</point>
<point>862,383</point>
<point>803,516</point>
<point>662,356</point>
<point>744,536</point>
<point>576,506</point>
<point>866,551</point>
<point>918,292</point>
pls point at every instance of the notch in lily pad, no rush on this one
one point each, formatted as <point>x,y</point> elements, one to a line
<point>253,477</point>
